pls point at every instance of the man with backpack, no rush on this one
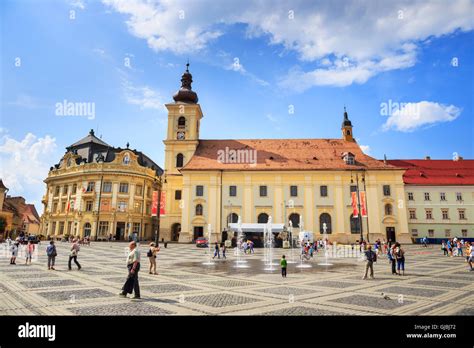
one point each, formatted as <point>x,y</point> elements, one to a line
<point>52,253</point>
<point>370,257</point>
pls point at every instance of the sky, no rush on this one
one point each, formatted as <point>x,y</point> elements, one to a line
<point>262,69</point>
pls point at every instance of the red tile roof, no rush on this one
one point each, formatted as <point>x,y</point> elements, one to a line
<point>436,172</point>
<point>284,154</point>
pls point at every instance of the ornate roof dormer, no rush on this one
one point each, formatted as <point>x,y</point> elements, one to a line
<point>185,94</point>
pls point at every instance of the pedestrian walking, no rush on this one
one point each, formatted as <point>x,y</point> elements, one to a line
<point>133,265</point>
<point>470,255</point>
<point>152,257</point>
<point>283,264</point>
<point>30,248</point>
<point>400,257</point>
<point>14,250</point>
<point>216,251</point>
<point>391,258</point>
<point>223,249</point>
<point>444,247</point>
<point>370,257</point>
<point>73,255</point>
<point>51,253</point>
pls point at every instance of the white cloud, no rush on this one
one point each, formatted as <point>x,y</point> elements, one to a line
<point>28,102</point>
<point>365,149</point>
<point>143,96</point>
<point>424,113</point>
<point>78,3</point>
<point>351,41</point>
<point>24,164</point>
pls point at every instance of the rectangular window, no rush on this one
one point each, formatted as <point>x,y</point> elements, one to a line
<point>444,212</point>
<point>137,206</point>
<point>105,205</point>
<point>63,207</point>
<point>263,191</point>
<point>103,229</point>
<point>412,214</point>
<point>323,191</point>
<point>294,191</point>
<point>89,205</point>
<point>431,233</point>
<point>232,191</point>
<point>69,227</point>
<point>414,232</point>
<point>74,189</point>
<point>464,233</point>
<point>122,206</point>
<point>123,188</point>
<point>56,191</point>
<point>148,208</point>
<point>61,228</point>
<point>199,190</point>
<point>447,233</point>
<point>138,190</point>
<point>442,196</point>
<point>177,195</point>
<point>410,196</point>
<point>55,207</point>
<point>462,214</point>
<point>427,196</point>
<point>136,227</point>
<point>148,191</point>
<point>107,187</point>
<point>459,196</point>
<point>386,190</point>
<point>90,186</point>
<point>429,214</point>
<point>65,187</point>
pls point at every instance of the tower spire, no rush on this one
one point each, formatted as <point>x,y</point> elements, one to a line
<point>185,94</point>
<point>346,127</point>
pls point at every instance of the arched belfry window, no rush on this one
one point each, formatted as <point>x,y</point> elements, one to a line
<point>295,220</point>
<point>179,160</point>
<point>262,218</point>
<point>199,209</point>
<point>182,122</point>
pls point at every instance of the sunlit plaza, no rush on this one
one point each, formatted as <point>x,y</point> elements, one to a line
<point>191,283</point>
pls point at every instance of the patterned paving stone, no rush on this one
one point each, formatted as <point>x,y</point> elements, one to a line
<point>75,295</point>
<point>443,284</point>
<point>133,308</point>
<point>164,288</point>
<point>334,284</point>
<point>374,302</point>
<point>50,283</point>
<point>466,311</point>
<point>31,275</point>
<point>306,311</point>
<point>220,300</point>
<point>287,291</point>
<point>230,283</point>
<point>423,292</point>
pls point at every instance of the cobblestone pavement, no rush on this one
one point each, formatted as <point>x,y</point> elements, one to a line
<point>433,285</point>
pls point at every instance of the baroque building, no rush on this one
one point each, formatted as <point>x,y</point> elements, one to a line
<point>310,181</point>
<point>100,191</point>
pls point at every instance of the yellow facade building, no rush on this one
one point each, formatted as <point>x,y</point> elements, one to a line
<point>101,191</point>
<point>302,180</point>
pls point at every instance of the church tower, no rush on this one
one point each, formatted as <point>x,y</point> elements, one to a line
<point>347,128</point>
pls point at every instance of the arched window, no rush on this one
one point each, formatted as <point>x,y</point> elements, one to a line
<point>295,220</point>
<point>233,218</point>
<point>325,218</point>
<point>355,227</point>
<point>126,159</point>
<point>262,218</point>
<point>181,122</point>
<point>179,160</point>
<point>348,132</point>
<point>199,209</point>
<point>87,229</point>
<point>388,209</point>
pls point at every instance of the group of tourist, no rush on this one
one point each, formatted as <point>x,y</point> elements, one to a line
<point>453,247</point>
<point>218,249</point>
<point>15,247</point>
<point>395,254</point>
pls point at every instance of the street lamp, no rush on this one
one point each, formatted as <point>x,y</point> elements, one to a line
<point>359,215</point>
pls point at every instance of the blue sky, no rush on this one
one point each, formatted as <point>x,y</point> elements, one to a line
<point>314,57</point>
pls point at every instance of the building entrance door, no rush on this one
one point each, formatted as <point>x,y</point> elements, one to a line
<point>391,234</point>
<point>198,232</point>
<point>120,231</point>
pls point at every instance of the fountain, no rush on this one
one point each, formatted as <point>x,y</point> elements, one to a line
<point>210,261</point>
<point>326,247</point>
<point>302,264</point>
<point>268,245</point>
<point>239,263</point>
<point>291,259</point>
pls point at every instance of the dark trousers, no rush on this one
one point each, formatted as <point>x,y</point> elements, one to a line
<point>445,251</point>
<point>283,272</point>
<point>131,284</point>
<point>393,262</point>
<point>75,261</point>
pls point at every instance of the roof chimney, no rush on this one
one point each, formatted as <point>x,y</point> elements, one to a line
<point>427,157</point>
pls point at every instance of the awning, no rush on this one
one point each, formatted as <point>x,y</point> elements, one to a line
<point>256,227</point>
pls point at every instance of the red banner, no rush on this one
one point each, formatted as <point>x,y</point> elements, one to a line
<point>162,203</point>
<point>154,204</point>
<point>355,211</point>
<point>363,206</point>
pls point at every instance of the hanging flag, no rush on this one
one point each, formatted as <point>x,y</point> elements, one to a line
<point>162,203</point>
<point>355,211</point>
<point>363,206</point>
<point>68,203</point>
<point>154,204</point>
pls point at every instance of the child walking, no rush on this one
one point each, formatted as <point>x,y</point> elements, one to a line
<point>283,265</point>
